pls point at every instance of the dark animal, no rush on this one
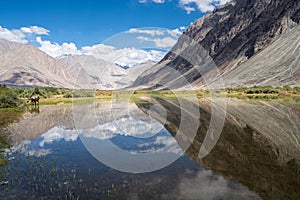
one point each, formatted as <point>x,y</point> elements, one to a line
<point>34,100</point>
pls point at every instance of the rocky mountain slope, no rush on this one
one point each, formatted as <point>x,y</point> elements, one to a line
<point>26,66</point>
<point>92,72</point>
<point>278,64</point>
<point>237,33</point>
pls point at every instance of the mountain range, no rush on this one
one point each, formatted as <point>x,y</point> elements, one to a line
<point>243,43</point>
<point>24,65</point>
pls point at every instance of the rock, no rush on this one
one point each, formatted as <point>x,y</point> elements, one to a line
<point>232,35</point>
<point>4,182</point>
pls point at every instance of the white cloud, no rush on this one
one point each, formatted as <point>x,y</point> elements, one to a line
<point>182,28</point>
<point>133,57</point>
<point>188,9</point>
<point>202,5</point>
<point>54,49</point>
<point>165,42</point>
<point>104,52</point>
<point>35,30</point>
<point>161,38</point>
<point>157,55</point>
<point>12,35</point>
<point>124,57</point>
<point>99,49</point>
<point>158,32</point>
<point>20,35</point>
<point>155,1</point>
<point>191,5</point>
<point>151,32</point>
<point>175,32</point>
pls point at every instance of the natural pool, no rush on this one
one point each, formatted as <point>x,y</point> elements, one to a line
<point>99,151</point>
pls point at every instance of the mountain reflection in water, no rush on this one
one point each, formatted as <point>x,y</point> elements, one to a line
<point>259,145</point>
<point>256,155</point>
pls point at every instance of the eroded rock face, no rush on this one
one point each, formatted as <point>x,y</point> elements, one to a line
<point>243,28</point>
<point>232,34</point>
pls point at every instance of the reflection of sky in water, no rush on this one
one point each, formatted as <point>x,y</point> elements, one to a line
<point>61,149</point>
<point>127,126</point>
<point>128,133</point>
<point>183,179</point>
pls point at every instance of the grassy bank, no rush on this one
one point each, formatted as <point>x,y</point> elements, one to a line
<point>7,116</point>
<point>285,94</point>
<point>4,143</point>
<point>14,97</point>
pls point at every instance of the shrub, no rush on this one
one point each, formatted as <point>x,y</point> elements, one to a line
<point>83,93</point>
<point>253,91</point>
<point>9,99</point>
<point>287,88</point>
<point>270,91</point>
<point>67,95</point>
<point>296,90</point>
<point>51,90</point>
<point>36,91</point>
<point>262,90</point>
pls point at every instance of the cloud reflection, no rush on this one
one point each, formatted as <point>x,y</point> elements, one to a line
<point>210,186</point>
<point>144,136</point>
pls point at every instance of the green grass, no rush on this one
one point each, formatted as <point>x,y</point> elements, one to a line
<point>81,101</point>
<point>9,98</point>
<point>4,143</point>
<point>287,90</point>
<point>53,96</point>
<point>7,116</point>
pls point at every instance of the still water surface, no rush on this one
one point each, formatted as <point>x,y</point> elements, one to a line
<point>57,148</point>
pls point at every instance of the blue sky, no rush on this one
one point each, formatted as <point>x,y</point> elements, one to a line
<point>89,22</point>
